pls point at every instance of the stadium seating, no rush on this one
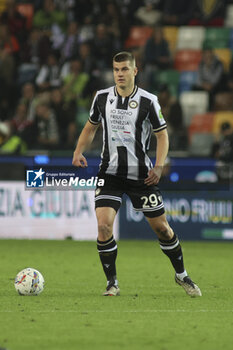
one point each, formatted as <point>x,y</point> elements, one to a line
<point>190,38</point>
<point>221,117</point>
<point>201,123</point>
<point>200,134</point>
<point>201,144</point>
<point>27,10</point>
<point>27,72</point>
<point>187,80</point>
<point>225,56</point>
<point>138,36</point>
<point>217,38</point>
<point>187,60</point>
<point>171,78</point>
<point>193,102</point>
<point>223,101</point>
<point>229,16</point>
<point>170,34</point>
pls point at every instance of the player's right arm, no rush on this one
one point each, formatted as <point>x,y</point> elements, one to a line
<point>85,139</point>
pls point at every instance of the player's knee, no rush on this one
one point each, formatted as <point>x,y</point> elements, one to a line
<point>104,231</point>
<point>164,231</point>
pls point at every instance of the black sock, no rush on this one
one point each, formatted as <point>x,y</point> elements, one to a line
<point>172,249</point>
<point>108,253</point>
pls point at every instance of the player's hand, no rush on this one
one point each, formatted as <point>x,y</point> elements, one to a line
<point>154,176</point>
<point>79,160</point>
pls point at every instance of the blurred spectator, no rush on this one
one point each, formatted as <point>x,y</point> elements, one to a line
<point>89,66</point>
<point>75,84</point>
<point>49,74</point>
<point>129,8</point>
<point>8,42</point>
<point>4,132</point>
<point>71,42</point>
<point>46,17</point>
<point>15,21</point>
<point>34,53</point>
<point>38,4</point>
<point>28,98</point>
<point>84,8</point>
<point>178,12</point>
<point>156,51</point>
<point>210,74</point>
<point>46,127</point>
<point>7,65</point>
<point>86,43</point>
<point>172,112</point>
<point>52,22</point>
<point>103,46</point>
<point>37,48</point>
<point>116,23</point>
<point>57,37</point>
<point>9,48</point>
<point>87,30</point>
<point>10,144</point>
<point>222,150</point>
<point>6,109</point>
<point>19,121</point>
<point>149,13</point>
<point>156,55</point>
<point>209,13</point>
<point>87,60</point>
<point>21,126</point>
<point>67,6</point>
<point>65,116</point>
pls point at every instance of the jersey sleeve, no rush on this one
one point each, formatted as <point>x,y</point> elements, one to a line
<point>155,116</point>
<point>95,115</point>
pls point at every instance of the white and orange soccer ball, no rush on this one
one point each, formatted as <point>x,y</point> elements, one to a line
<point>29,282</point>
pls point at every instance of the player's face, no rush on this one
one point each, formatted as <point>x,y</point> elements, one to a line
<point>124,74</point>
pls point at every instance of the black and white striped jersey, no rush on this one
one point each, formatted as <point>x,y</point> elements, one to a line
<point>127,126</point>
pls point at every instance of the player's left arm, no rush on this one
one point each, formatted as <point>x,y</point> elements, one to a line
<point>161,154</point>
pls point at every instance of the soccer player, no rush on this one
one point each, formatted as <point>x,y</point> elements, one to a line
<point>128,115</point>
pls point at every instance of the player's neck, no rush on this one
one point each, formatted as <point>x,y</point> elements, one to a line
<point>126,91</point>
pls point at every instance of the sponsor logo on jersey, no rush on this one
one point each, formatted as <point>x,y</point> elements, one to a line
<point>161,115</point>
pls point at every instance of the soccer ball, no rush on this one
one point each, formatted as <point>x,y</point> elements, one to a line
<point>29,282</point>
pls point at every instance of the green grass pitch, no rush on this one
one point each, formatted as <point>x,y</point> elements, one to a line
<point>151,313</point>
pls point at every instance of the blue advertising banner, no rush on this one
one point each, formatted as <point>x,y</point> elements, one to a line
<point>192,215</point>
<point>199,208</point>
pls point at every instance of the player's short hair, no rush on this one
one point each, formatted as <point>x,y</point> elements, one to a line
<point>124,56</point>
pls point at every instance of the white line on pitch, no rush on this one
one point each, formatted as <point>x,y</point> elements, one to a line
<point>117,311</point>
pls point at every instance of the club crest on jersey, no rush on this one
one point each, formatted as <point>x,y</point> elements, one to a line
<point>133,104</point>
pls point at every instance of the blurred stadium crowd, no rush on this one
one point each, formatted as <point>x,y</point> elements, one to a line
<point>54,55</point>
